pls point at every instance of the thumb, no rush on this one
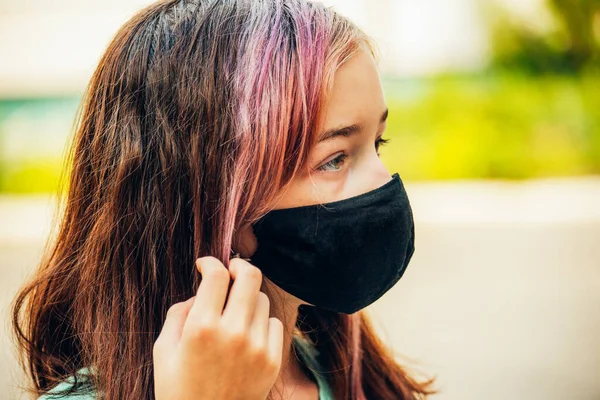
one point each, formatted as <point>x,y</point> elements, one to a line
<point>174,321</point>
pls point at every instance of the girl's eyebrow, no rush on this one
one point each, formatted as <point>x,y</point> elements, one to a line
<point>349,130</point>
<point>345,131</point>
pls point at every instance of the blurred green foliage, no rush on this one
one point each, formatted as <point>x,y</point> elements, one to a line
<point>34,135</point>
<point>30,176</point>
<point>486,126</point>
<point>569,44</point>
<point>494,126</point>
<point>580,19</point>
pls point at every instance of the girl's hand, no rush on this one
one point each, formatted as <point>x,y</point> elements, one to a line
<point>208,351</point>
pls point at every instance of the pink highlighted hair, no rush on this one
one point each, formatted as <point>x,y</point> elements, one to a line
<point>196,117</point>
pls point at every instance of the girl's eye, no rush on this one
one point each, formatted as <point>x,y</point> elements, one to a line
<point>380,142</point>
<point>333,165</point>
<point>336,163</point>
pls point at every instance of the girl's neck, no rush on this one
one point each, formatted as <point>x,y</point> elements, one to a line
<point>292,382</point>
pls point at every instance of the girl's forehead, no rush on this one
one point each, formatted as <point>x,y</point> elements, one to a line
<point>357,95</point>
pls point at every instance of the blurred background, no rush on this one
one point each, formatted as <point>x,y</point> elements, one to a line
<point>495,128</point>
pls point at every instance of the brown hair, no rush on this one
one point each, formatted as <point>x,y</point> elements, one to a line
<point>197,115</point>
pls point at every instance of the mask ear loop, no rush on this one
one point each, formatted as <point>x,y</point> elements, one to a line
<point>238,255</point>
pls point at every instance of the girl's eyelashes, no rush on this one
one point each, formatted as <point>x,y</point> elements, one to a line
<point>335,164</point>
<point>380,142</point>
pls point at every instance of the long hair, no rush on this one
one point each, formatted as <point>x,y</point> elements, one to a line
<point>198,114</point>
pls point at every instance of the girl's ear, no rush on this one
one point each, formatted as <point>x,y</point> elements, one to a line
<point>244,242</point>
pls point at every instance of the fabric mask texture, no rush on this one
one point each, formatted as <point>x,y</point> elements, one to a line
<point>342,255</point>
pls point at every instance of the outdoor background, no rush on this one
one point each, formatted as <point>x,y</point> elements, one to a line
<point>495,127</point>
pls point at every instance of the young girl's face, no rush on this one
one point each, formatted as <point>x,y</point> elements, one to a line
<point>345,162</point>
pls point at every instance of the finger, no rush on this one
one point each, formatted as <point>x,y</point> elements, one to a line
<point>212,291</point>
<point>275,340</point>
<point>174,322</point>
<point>243,294</point>
<point>259,325</point>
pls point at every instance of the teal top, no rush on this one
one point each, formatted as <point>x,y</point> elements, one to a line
<point>306,352</point>
<point>308,355</point>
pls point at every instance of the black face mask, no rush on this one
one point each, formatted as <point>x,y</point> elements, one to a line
<point>340,256</point>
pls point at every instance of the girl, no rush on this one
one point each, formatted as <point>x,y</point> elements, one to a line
<point>227,216</point>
